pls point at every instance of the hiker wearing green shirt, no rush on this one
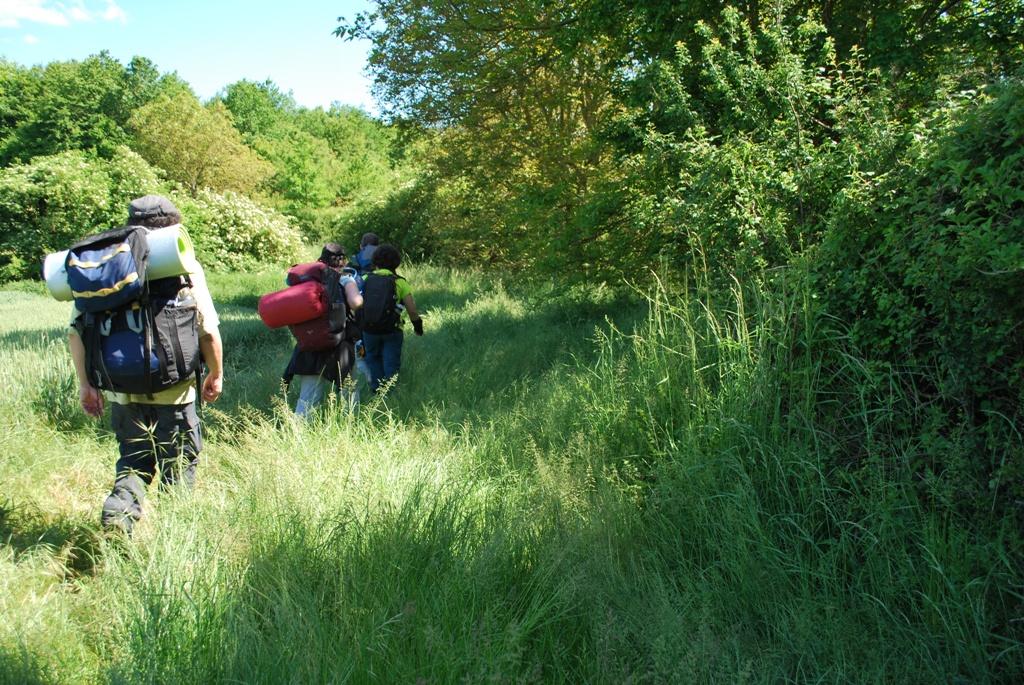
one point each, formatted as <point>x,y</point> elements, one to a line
<point>387,298</point>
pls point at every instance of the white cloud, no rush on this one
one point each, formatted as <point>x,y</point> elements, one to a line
<point>55,13</point>
<point>12,12</point>
<point>79,13</point>
<point>30,39</point>
<point>114,12</point>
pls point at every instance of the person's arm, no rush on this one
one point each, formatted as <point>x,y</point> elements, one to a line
<point>352,294</point>
<point>209,336</point>
<point>213,354</point>
<point>89,397</point>
<point>414,316</point>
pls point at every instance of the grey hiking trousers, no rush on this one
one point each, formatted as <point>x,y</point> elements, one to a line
<point>151,438</point>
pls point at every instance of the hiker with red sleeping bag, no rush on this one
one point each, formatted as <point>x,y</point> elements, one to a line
<point>318,308</point>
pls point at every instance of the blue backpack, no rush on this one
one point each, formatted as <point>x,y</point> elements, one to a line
<point>140,336</point>
<point>362,261</point>
<point>108,270</point>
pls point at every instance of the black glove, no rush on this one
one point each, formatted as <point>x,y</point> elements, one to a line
<point>417,326</point>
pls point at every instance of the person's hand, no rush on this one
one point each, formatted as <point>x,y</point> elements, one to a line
<point>213,386</point>
<point>417,326</point>
<point>91,400</point>
<point>346,279</point>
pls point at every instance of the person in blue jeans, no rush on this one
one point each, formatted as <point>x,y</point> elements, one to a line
<point>387,300</point>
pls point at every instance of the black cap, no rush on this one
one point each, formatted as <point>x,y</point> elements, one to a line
<point>332,251</point>
<point>149,207</point>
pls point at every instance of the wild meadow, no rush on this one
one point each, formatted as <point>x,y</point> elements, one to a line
<point>722,380</point>
<point>565,485</point>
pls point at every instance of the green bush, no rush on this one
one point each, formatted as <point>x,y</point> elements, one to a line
<point>316,224</point>
<point>733,150</point>
<point>53,201</point>
<point>231,231</point>
<point>404,219</point>
<point>924,264</point>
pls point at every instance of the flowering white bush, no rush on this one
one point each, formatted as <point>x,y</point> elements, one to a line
<point>230,231</point>
<point>54,200</point>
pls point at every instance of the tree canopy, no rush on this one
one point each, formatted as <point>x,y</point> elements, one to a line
<point>195,145</point>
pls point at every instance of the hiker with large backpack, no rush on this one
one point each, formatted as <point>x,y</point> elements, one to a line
<point>387,298</point>
<point>139,344</point>
<point>325,358</point>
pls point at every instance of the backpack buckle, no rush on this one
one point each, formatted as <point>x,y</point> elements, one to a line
<point>134,320</point>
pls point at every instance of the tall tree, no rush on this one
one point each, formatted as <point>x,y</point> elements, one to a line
<point>521,102</point>
<point>257,109</point>
<point>75,105</point>
<point>195,145</point>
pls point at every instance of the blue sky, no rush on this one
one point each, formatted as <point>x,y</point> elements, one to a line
<point>209,43</point>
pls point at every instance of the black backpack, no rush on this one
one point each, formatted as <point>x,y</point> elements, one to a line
<point>140,336</point>
<point>380,313</point>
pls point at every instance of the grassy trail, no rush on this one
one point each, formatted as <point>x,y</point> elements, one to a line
<point>307,551</point>
<point>564,487</point>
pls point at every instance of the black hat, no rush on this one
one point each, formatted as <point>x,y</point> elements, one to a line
<point>332,251</point>
<point>153,209</point>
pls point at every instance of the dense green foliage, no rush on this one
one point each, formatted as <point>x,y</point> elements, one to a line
<point>323,161</point>
<point>53,201</point>
<point>607,135</point>
<point>925,261</point>
<point>233,232</point>
<point>312,165</point>
<point>196,146</point>
<point>74,105</point>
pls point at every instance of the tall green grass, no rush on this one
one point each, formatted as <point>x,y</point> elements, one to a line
<point>563,486</point>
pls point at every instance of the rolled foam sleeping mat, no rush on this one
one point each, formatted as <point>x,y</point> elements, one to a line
<point>295,304</point>
<point>171,253</point>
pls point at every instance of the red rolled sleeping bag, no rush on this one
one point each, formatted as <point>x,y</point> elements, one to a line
<point>295,304</point>
<point>308,271</point>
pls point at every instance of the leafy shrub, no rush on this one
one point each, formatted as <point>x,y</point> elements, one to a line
<point>319,224</point>
<point>53,201</point>
<point>733,150</point>
<point>403,218</point>
<point>231,231</point>
<point>924,264</point>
